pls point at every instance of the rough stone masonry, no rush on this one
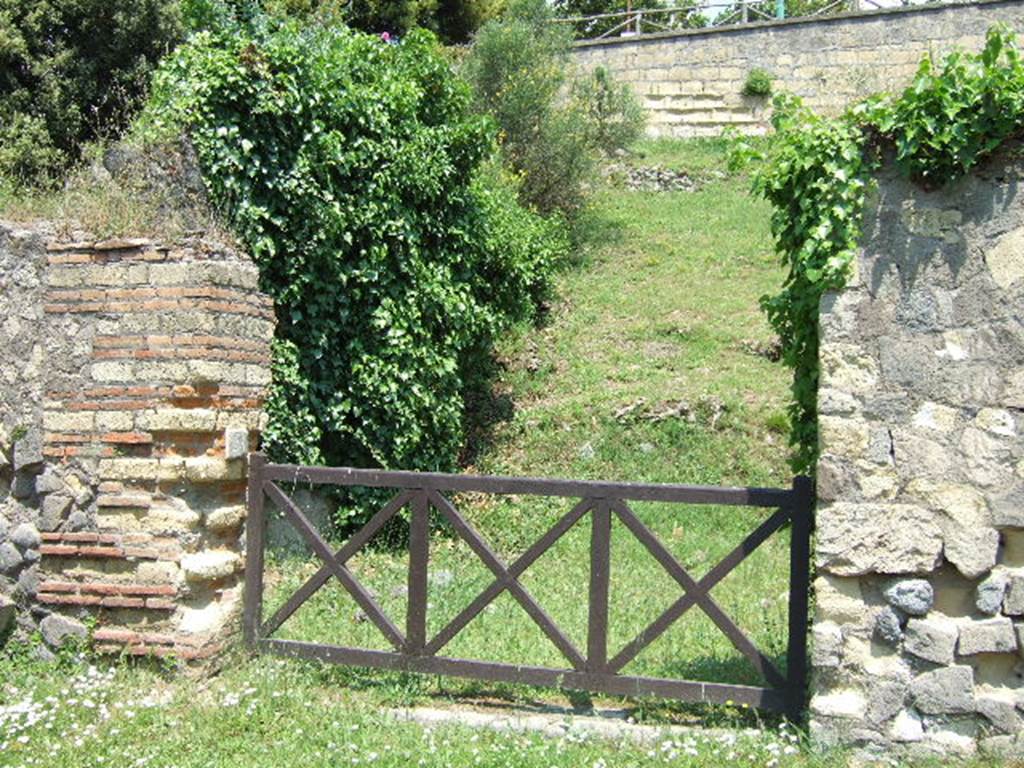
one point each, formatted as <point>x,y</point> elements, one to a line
<point>132,377</point>
<point>691,82</point>
<point>918,634</point>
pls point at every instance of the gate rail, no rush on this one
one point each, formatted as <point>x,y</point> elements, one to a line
<point>590,669</point>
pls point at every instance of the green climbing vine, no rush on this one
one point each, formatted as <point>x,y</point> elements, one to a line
<point>817,173</point>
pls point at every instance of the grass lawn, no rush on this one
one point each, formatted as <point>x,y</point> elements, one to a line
<point>643,371</point>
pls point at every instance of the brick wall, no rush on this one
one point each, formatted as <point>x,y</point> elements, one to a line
<point>140,372</point>
<point>691,82</point>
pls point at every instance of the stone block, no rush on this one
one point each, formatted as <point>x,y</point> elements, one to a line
<point>68,421</point>
<point>932,639</point>
<point>826,645</point>
<point>999,709</point>
<point>10,558</point>
<point>236,443</point>
<point>25,536</point>
<point>1005,260</point>
<point>211,565</point>
<point>970,542</point>
<point>225,519</point>
<point>935,417</point>
<point>855,539</point>
<point>906,727</point>
<point>844,704</point>
<point>987,636</point>
<point>178,420</point>
<point>912,596</point>
<point>208,469</point>
<point>945,691</point>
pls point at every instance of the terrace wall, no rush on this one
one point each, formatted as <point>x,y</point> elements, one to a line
<point>691,82</point>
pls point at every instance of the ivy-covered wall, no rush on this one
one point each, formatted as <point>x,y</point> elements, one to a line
<point>692,82</point>
<point>919,624</point>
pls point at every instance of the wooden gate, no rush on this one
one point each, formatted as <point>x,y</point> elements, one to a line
<point>590,669</point>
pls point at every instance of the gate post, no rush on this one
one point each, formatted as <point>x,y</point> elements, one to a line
<point>255,527</point>
<point>799,592</point>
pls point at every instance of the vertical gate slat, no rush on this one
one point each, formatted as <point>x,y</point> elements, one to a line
<point>255,525</point>
<point>419,553</point>
<point>799,590</point>
<point>600,566</point>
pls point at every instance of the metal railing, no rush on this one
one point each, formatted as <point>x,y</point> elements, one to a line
<point>639,21</point>
<point>594,668</point>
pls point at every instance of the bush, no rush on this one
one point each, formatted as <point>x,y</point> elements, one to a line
<point>71,70</point>
<point>355,173</point>
<point>758,83</point>
<point>688,15</point>
<point>519,69</point>
<point>616,117</point>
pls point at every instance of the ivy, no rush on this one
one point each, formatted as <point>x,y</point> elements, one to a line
<point>817,173</point>
<point>359,178</point>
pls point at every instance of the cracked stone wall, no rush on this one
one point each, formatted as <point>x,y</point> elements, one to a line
<point>132,379</point>
<point>691,82</point>
<point>918,632</point>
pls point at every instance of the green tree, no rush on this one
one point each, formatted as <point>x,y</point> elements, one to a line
<point>689,16</point>
<point>72,70</point>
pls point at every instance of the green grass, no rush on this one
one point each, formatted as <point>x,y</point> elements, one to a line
<point>660,310</point>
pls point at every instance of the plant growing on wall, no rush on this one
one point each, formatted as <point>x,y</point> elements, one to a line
<point>817,171</point>
<point>758,83</point>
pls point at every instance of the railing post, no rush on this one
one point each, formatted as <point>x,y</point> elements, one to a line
<point>799,593</point>
<point>255,527</point>
<point>419,553</point>
<point>745,11</point>
<point>600,568</point>
<point>780,9</point>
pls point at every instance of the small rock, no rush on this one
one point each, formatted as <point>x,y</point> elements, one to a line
<point>906,727</point>
<point>43,654</point>
<point>225,518</point>
<point>987,636</point>
<point>442,578</point>
<point>989,595</point>
<point>1013,604</point>
<point>56,630</point>
<point>78,521</point>
<point>845,704</point>
<point>49,482</point>
<point>10,558</point>
<point>912,596</point>
<point>887,626</point>
<point>236,443</point>
<point>946,691</point>
<point>25,536</point>
<point>932,639</point>
<point>28,452</point>
<point>24,485</point>
<point>28,583</point>
<point>55,506</point>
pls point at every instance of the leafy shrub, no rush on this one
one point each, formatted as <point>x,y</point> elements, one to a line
<point>817,173</point>
<point>616,117</point>
<point>71,70</point>
<point>354,171</point>
<point>758,83</point>
<point>519,70</point>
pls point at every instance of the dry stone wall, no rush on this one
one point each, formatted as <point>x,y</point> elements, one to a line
<point>691,82</point>
<point>918,635</point>
<point>133,380</point>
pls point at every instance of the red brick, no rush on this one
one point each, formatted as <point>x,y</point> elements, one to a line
<point>83,600</point>
<point>129,438</point>
<point>123,602</point>
<point>104,635</point>
<point>51,536</point>
<point>154,638</point>
<point>56,550</point>
<point>160,605</point>
<point>85,537</point>
<point>142,553</point>
<point>58,586</point>
<point>101,552</point>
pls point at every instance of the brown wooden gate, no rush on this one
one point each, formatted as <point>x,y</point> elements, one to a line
<point>590,670</point>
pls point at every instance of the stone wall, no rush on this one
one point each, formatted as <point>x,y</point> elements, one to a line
<point>691,82</point>
<point>918,633</point>
<point>133,377</point>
